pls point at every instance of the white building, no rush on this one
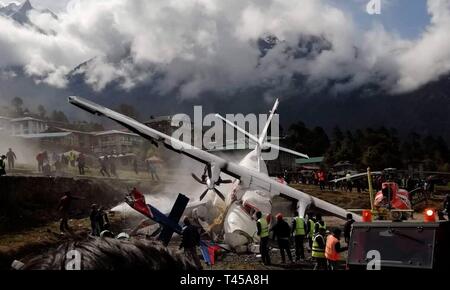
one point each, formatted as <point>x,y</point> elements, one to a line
<point>4,124</point>
<point>114,141</point>
<point>27,125</point>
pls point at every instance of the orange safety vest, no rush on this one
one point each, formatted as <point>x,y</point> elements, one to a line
<point>330,249</point>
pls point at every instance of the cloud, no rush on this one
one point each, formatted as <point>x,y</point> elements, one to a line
<point>429,57</point>
<point>198,46</point>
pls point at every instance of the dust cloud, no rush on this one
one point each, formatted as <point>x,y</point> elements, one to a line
<point>25,151</point>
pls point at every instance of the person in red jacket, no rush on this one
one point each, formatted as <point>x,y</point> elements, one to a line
<point>321,177</point>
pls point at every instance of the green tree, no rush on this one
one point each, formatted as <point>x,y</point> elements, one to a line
<point>128,110</point>
<point>42,111</point>
<point>17,104</point>
<point>59,116</point>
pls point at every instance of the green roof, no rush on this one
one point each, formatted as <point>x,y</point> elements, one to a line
<point>310,160</point>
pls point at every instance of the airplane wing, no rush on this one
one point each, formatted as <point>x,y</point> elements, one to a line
<point>248,177</point>
<point>363,174</point>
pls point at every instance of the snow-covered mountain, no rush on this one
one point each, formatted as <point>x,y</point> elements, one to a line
<point>19,12</point>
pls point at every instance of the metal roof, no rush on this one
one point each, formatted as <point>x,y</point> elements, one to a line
<point>311,160</point>
<point>28,119</point>
<point>110,132</point>
<point>44,135</point>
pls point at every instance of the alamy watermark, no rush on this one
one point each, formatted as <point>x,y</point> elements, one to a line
<point>374,260</point>
<point>209,132</point>
<point>374,7</point>
<point>73,260</point>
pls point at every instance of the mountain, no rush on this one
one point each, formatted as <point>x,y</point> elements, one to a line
<point>424,110</point>
<point>19,13</point>
<point>9,10</point>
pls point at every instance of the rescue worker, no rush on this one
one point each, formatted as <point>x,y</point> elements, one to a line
<point>152,170</point>
<point>333,249</point>
<point>299,231</point>
<point>94,218</point>
<point>190,241</point>
<point>103,219</point>
<point>318,250</point>
<point>263,233</point>
<point>40,160</point>
<point>282,232</point>
<point>321,176</point>
<point>2,165</point>
<point>81,160</point>
<point>64,208</point>
<point>103,166</point>
<point>331,184</point>
<point>11,158</point>
<point>112,165</point>
<point>348,227</point>
<point>311,228</point>
<point>72,158</point>
<point>319,224</point>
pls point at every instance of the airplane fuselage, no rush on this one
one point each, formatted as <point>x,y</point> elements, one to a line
<point>243,203</point>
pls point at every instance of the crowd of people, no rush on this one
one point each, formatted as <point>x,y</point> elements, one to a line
<point>325,247</point>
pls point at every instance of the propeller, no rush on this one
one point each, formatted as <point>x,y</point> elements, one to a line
<point>211,178</point>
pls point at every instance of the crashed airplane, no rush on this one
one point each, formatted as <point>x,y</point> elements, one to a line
<point>253,189</point>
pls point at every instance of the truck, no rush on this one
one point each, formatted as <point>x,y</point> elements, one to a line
<point>387,245</point>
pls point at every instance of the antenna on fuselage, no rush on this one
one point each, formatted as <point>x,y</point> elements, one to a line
<point>260,142</point>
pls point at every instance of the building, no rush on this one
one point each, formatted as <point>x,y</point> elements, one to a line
<point>343,167</point>
<point>27,125</point>
<point>52,141</point>
<point>313,163</point>
<point>5,124</point>
<point>114,141</point>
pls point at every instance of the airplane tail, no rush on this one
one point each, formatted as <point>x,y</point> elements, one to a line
<point>174,216</point>
<point>170,223</point>
<point>260,140</point>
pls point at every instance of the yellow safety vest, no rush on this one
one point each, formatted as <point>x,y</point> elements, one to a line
<point>311,228</point>
<point>299,226</point>
<point>317,251</point>
<point>264,228</point>
<point>324,226</point>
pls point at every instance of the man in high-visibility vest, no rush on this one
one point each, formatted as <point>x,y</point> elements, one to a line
<point>318,250</point>
<point>263,233</point>
<point>310,229</point>
<point>319,224</point>
<point>333,249</point>
<point>299,231</point>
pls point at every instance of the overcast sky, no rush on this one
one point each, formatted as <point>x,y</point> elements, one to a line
<point>211,45</point>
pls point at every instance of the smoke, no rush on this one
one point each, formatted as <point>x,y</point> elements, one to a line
<point>25,151</point>
<point>199,46</point>
<point>175,174</point>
